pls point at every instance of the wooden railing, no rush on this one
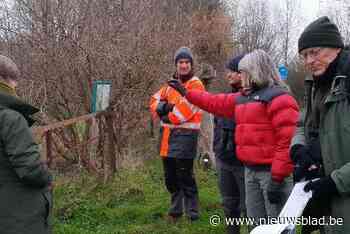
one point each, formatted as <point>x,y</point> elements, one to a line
<point>44,134</point>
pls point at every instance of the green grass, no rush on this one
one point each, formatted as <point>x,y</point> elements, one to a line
<point>135,202</point>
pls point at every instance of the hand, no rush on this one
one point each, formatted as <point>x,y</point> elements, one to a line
<point>165,119</point>
<point>306,167</point>
<point>176,84</point>
<point>274,192</point>
<point>323,188</point>
<point>309,173</point>
<point>168,108</point>
<point>163,108</point>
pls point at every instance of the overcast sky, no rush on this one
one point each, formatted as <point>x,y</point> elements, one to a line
<point>310,9</point>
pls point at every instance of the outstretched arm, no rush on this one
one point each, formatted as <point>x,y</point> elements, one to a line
<point>222,105</point>
<point>218,104</point>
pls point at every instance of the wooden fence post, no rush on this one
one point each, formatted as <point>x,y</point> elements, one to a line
<point>48,136</point>
<point>110,157</point>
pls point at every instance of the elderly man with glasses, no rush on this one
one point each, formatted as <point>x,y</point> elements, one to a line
<point>321,145</point>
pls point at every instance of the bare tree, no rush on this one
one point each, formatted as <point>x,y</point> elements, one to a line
<point>291,18</point>
<point>254,28</point>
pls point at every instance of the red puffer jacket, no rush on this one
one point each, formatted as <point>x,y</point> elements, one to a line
<point>266,121</point>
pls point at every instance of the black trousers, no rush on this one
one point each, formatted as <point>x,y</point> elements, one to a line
<point>231,185</point>
<point>181,184</point>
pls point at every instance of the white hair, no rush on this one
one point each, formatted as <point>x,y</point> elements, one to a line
<point>261,71</point>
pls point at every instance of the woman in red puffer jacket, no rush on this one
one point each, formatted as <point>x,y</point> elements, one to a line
<point>266,116</point>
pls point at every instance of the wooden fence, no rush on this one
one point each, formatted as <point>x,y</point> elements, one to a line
<point>104,141</point>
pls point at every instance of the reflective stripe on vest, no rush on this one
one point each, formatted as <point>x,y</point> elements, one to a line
<point>184,125</point>
<point>164,144</point>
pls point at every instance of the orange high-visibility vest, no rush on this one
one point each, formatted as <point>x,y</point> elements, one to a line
<point>183,115</point>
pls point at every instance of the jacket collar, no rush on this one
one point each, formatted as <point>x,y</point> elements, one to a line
<point>8,101</point>
<point>5,88</point>
<point>343,67</point>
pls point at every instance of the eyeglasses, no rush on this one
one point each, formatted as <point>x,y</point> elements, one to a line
<point>312,53</point>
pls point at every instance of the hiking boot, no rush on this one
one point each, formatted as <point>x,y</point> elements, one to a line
<point>173,218</point>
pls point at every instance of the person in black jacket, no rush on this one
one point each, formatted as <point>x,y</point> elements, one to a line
<point>230,170</point>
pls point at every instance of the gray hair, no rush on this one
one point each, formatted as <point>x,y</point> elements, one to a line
<point>261,70</point>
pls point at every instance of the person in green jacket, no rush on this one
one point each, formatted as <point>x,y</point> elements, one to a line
<point>322,140</point>
<point>25,183</point>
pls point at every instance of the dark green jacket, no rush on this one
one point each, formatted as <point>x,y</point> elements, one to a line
<point>25,201</point>
<point>334,134</point>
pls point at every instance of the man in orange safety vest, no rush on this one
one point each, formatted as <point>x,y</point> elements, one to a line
<point>180,125</point>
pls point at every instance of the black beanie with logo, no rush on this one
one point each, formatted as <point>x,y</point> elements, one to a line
<point>320,33</point>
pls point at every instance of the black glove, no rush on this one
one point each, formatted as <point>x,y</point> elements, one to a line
<point>323,188</point>
<point>302,157</point>
<point>301,154</point>
<point>274,192</point>
<point>165,119</point>
<point>176,84</point>
<point>163,108</point>
<point>301,172</point>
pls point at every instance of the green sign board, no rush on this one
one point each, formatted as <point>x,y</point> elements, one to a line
<point>101,92</point>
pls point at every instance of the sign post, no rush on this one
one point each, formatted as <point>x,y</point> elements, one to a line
<point>101,92</point>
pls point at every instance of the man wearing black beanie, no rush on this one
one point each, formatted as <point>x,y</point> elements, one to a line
<point>180,124</point>
<point>320,33</point>
<point>230,169</point>
<point>321,143</point>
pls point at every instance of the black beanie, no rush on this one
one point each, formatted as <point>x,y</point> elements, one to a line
<point>320,33</point>
<point>183,53</point>
<point>232,64</point>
